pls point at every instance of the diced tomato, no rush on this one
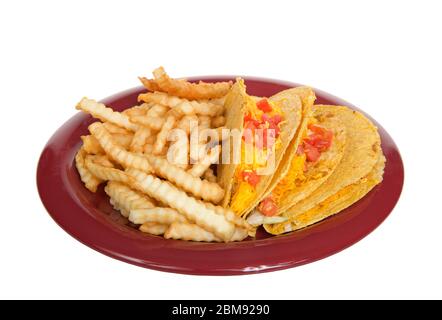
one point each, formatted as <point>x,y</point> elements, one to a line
<point>275,120</point>
<point>268,207</point>
<point>250,177</point>
<point>316,129</point>
<point>264,105</point>
<point>312,153</point>
<point>248,118</point>
<point>321,138</point>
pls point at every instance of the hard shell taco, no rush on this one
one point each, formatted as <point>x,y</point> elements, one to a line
<point>266,127</point>
<point>357,169</point>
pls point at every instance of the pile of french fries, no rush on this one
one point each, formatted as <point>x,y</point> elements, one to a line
<point>151,175</point>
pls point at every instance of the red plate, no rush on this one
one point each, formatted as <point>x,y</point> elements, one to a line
<point>90,219</point>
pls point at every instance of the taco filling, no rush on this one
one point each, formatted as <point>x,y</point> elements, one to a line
<point>317,140</point>
<point>260,140</point>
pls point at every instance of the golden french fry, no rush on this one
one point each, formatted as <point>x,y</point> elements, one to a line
<point>206,108</point>
<point>100,111</point>
<point>192,232</point>
<point>107,173</point>
<point>101,159</point>
<point>90,181</point>
<point>113,128</point>
<point>220,101</point>
<point>218,121</point>
<point>122,139</point>
<point>194,211</point>
<point>185,89</point>
<point>156,229</point>
<point>149,84</point>
<point>212,157</point>
<point>116,152</point>
<point>139,140</point>
<point>160,143</point>
<point>91,145</point>
<point>187,123</point>
<point>189,232</point>
<point>209,175</point>
<point>182,106</point>
<point>155,123</point>
<point>200,188</point>
<point>158,215</point>
<point>229,215</point>
<point>136,111</point>
<point>125,199</point>
<point>157,110</point>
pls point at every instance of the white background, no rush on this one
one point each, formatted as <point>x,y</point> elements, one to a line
<point>383,56</point>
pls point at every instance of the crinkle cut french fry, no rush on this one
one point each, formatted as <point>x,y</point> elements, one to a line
<point>229,215</point>
<point>138,110</point>
<point>90,181</point>
<point>100,111</point>
<point>158,214</point>
<point>116,152</point>
<point>154,228</point>
<point>114,129</point>
<point>192,232</point>
<point>118,207</point>
<point>107,173</point>
<point>139,139</point>
<point>200,188</point>
<point>185,89</point>
<point>209,175</point>
<point>91,145</point>
<point>199,168</point>
<point>189,232</point>
<point>193,210</point>
<point>125,199</point>
<point>157,110</point>
<point>182,106</point>
<point>160,143</point>
<point>155,123</point>
<point>149,84</point>
<point>123,140</point>
<point>102,160</point>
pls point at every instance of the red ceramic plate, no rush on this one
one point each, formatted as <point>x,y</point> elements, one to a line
<point>90,219</point>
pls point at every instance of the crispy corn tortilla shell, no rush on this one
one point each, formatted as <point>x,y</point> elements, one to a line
<point>334,204</point>
<point>308,97</point>
<point>362,152</point>
<point>235,105</point>
<point>320,171</point>
<point>291,107</point>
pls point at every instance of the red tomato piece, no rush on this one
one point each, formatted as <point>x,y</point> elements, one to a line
<point>264,105</point>
<point>268,207</point>
<point>312,153</point>
<point>251,177</point>
<point>248,118</point>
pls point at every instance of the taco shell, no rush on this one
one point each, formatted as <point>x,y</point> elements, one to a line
<point>359,170</point>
